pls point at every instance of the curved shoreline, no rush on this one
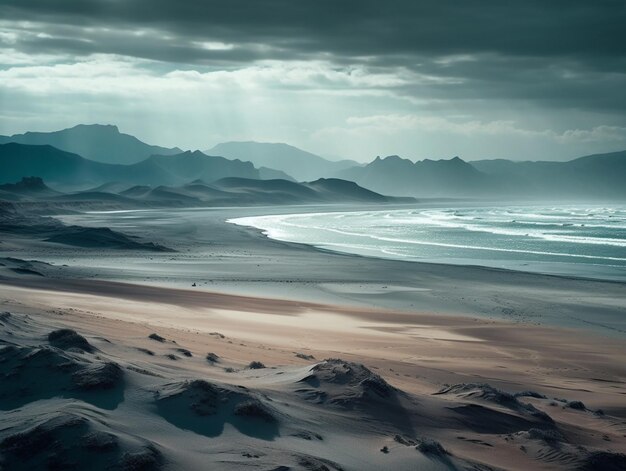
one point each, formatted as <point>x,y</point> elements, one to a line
<point>485,268</point>
<point>223,257</point>
<point>609,273</point>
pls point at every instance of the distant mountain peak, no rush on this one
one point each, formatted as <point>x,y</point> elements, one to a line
<point>99,128</point>
<point>28,185</point>
<point>391,160</point>
<point>32,182</point>
<point>195,153</point>
<point>66,169</point>
<point>103,127</point>
<point>261,143</point>
<point>100,142</point>
<point>298,163</point>
<point>456,161</point>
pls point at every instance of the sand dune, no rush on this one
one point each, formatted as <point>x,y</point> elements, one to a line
<point>122,407</point>
<point>31,225</point>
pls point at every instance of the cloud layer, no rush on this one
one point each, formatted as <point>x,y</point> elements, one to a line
<point>534,71</point>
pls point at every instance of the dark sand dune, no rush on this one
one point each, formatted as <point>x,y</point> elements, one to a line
<point>23,267</point>
<point>205,408</point>
<point>487,393</point>
<point>45,372</point>
<point>78,400</point>
<point>68,339</point>
<point>29,187</point>
<point>18,223</point>
<point>71,439</point>
<point>101,237</point>
<point>347,384</point>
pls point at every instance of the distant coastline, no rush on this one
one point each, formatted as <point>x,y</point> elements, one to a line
<point>598,257</point>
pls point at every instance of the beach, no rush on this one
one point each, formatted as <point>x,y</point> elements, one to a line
<point>500,369</point>
<point>312,236</point>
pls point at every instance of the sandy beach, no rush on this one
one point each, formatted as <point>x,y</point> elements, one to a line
<point>312,236</point>
<point>365,363</point>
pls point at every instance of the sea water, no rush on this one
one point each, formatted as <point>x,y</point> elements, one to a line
<point>576,240</point>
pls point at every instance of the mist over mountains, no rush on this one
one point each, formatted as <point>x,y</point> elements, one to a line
<point>102,143</point>
<point>70,170</point>
<point>87,156</point>
<point>593,176</point>
<point>598,175</point>
<point>428,178</point>
<point>301,165</point>
<point>230,191</point>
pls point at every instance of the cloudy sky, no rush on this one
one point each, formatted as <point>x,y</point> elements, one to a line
<point>353,78</point>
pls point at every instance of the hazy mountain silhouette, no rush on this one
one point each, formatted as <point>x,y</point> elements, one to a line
<point>427,178</point>
<point>597,175</point>
<point>345,190</point>
<point>102,143</point>
<point>301,165</point>
<point>266,173</point>
<point>71,170</point>
<point>188,166</point>
<point>55,166</point>
<point>331,190</point>
<point>229,191</point>
<point>594,176</point>
<point>27,187</point>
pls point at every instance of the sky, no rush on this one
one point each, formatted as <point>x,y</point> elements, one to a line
<point>524,80</point>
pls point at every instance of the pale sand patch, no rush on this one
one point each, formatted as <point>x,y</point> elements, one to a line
<point>415,352</point>
<point>439,348</point>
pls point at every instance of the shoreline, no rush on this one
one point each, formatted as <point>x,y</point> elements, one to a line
<point>286,210</point>
<point>451,266</point>
<point>356,355</point>
<point>615,274</point>
<point>219,256</point>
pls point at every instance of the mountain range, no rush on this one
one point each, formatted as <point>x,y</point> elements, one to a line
<point>300,164</point>
<point>427,178</point>
<point>102,143</point>
<point>68,170</point>
<point>230,191</point>
<point>596,176</point>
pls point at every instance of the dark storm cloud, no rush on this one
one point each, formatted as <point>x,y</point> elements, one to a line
<point>359,27</point>
<point>552,50</point>
<point>150,46</point>
<point>566,82</point>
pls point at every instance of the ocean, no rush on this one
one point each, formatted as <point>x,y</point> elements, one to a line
<point>571,240</point>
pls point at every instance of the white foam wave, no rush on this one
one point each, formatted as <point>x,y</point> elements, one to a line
<point>393,232</point>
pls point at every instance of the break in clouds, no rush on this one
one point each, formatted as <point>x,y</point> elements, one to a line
<point>522,80</point>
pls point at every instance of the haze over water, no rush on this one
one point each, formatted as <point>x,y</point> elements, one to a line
<point>576,240</point>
